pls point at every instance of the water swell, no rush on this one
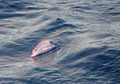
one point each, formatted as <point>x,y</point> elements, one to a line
<point>7,80</point>
<point>86,35</point>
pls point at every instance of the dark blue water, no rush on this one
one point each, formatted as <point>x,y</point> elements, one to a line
<point>86,34</point>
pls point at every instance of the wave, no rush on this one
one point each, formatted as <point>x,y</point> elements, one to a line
<point>86,35</point>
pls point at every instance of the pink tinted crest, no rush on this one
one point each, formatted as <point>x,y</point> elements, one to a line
<point>42,47</point>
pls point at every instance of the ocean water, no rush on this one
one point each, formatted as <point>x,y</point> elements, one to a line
<point>86,34</point>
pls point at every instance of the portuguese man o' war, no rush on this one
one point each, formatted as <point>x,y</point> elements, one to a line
<point>42,47</point>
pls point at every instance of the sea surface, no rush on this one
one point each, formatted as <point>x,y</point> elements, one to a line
<point>86,34</point>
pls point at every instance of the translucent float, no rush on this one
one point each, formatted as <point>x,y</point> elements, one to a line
<point>43,46</point>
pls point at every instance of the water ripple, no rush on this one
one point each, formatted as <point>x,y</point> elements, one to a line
<point>86,35</point>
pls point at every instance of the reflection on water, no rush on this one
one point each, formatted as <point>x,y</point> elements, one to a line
<point>43,61</point>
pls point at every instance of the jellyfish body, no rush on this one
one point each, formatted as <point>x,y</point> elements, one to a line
<point>42,47</point>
